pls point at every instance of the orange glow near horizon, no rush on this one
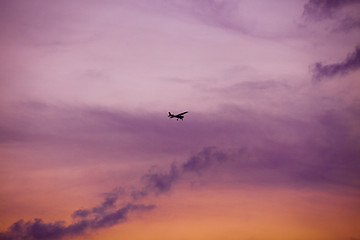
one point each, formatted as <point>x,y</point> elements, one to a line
<point>243,214</point>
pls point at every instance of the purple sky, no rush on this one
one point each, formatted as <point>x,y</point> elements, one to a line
<point>272,89</point>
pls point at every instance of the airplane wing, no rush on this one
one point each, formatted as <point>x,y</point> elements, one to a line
<point>182,113</point>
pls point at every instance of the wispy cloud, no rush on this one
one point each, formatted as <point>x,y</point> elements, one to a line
<point>343,13</point>
<point>157,182</point>
<point>242,17</point>
<point>215,13</point>
<point>322,9</point>
<point>348,23</point>
<point>351,63</point>
<point>108,203</point>
<point>38,229</point>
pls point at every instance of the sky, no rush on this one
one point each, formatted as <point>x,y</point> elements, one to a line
<point>270,148</point>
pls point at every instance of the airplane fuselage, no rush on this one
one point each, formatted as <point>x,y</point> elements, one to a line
<point>178,116</point>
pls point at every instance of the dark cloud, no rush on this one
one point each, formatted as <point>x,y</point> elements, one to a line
<point>351,63</point>
<point>347,24</point>
<point>343,14</point>
<point>37,229</point>
<point>208,157</point>
<point>157,182</point>
<point>322,9</point>
<point>108,203</point>
<point>81,213</point>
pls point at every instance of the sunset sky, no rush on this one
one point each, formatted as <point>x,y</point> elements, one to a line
<point>270,148</point>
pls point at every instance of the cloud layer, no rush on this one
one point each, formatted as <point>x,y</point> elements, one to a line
<point>351,63</point>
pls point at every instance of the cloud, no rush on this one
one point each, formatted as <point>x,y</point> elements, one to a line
<point>322,9</point>
<point>108,203</point>
<point>347,24</point>
<point>341,15</point>
<point>157,182</point>
<point>37,229</point>
<point>212,12</point>
<point>259,19</point>
<point>351,63</point>
<point>243,17</point>
<point>217,13</point>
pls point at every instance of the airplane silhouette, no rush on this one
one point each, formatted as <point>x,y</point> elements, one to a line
<point>178,116</point>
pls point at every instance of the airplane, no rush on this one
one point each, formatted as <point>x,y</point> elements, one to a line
<point>178,116</point>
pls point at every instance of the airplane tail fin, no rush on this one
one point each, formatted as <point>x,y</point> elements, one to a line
<point>169,114</point>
